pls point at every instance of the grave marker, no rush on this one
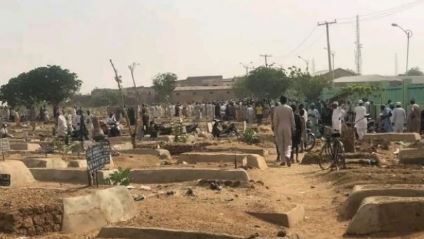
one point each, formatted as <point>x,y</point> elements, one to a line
<point>97,155</point>
<point>5,180</point>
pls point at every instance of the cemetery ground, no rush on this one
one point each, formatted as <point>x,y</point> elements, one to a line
<point>195,188</point>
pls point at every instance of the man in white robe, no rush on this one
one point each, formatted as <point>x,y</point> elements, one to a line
<point>337,117</point>
<point>283,125</point>
<point>399,118</point>
<point>361,119</point>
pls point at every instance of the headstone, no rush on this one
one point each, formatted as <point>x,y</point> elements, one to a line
<point>210,127</point>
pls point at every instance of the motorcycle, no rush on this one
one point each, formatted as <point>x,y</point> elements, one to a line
<point>221,129</point>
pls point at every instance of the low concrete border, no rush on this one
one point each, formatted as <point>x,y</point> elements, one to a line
<point>66,175</point>
<point>245,149</point>
<point>360,192</point>
<point>287,219</point>
<point>172,175</point>
<point>252,160</point>
<point>159,233</point>
<point>388,214</point>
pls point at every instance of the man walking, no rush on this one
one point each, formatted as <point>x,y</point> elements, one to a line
<point>283,125</point>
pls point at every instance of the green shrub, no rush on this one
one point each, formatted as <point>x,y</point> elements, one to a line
<point>250,136</point>
<point>120,177</point>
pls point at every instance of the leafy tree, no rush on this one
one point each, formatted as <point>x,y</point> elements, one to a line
<point>267,82</point>
<point>240,89</point>
<point>306,86</point>
<point>414,71</point>
<point>51,84</point>
<point>164,85</point>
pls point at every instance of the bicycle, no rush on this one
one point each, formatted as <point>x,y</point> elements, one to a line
<point>332,152</point>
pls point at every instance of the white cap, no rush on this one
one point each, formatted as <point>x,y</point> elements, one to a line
<point>360,101</point>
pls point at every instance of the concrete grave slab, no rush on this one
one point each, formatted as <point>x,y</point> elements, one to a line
<point>266,137</point>
<point>163,138</point>
<point>158,233</point>
<point>122,146</point>
<point>45,162</point>
<point>289,218</point>
<point>20,176</point>
<point>24,146</point>
<point>406,137</point>
<point>247,149</point>
<point>253,160</point>
<point>66,175</point>
<point>411,156</point>
<point>360,192</point>
<point>388,214</point>
<point>161,153</point>
<point>171,175</point>
<point>119,140</point>
<point>90,212</point>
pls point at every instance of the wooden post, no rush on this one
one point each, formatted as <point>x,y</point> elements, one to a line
<point>138,97</point>
<point>119,81</point>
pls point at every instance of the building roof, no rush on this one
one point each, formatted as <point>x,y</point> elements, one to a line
<point>186,88</point>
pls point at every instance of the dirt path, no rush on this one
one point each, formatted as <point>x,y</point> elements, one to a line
<point>301,184</point>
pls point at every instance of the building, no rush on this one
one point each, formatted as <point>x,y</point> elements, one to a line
<point>395,88</point>
<point>192,89</point>
<point>188,94</point>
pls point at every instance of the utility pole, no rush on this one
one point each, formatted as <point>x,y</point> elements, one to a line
<point>408,37</point>
<point>313,66</point>
<point>265,56</point>
<point>246,67</point>
<point>328,42</point>
<point>358,55</point>
<point>306,62</point>
<point>396,64</point>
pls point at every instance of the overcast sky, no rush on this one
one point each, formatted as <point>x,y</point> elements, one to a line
<point>200,37</point>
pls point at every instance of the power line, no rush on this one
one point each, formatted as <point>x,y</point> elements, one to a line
<point>301,43</point>
<point>327,24</point>
<point>380,14</point>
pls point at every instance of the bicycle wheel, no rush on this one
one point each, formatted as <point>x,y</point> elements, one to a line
<point>326,156</point>
<point>310,142</point>
<point>339,155</point>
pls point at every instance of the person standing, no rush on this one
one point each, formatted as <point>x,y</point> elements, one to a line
<point>361,122</point>
<point>386,113</point>
<point>259,111</point>
<point>283,124</point>
<point>297,133</point>
<point>414,118</point>
<point>314,117</point>
<point>62,125</point>
<point>399,118</point>
<point>302,129</point>
<point>337,117</point>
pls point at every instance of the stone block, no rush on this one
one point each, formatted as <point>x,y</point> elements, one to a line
<point>388,214</point>
<point>289,218</point>
<point>86,213</point>
<point>360,192</point>
<point>411,156</point>
<point>24,146</point>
